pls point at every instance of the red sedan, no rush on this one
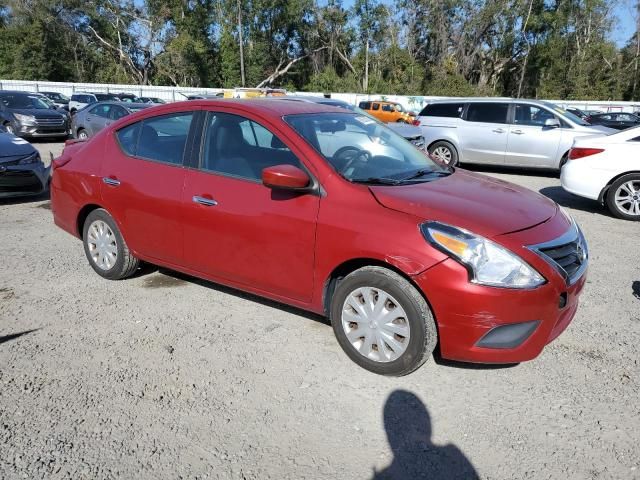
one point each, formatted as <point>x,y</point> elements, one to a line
<point>329,211</point>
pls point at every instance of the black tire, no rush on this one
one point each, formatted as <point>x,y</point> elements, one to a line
<point>9,128</point>
<point>423,333</point>
<point>125,263</point>
<point>563,161</point>
<point>453,153</point>
<point>611,194</point>
<point>81,131</point>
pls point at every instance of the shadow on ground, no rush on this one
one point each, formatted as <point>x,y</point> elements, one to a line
<point>635,289</point>
<point>13,336</point>
<point>566,199</point>
<point>26,199</point>
<point>527,172</point>
<point>408,426</point>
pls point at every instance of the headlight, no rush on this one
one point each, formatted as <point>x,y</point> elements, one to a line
<point>24,118</point>
<point>33,158</point>
<point>488,263</point>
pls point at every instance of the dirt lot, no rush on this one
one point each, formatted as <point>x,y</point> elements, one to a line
<point>165,376</point>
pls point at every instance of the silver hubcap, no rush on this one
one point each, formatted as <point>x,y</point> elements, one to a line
<point>103,248</point>
<point>627,198</point>
<point>83,134</point>
<point>443,153</point>
<point>375,324</point>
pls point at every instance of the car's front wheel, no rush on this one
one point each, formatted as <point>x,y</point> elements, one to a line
<point>82,134</point>
<point>105,248</point>
<point>623,197</point>
<point>382,322</point>
<point>10,128</point>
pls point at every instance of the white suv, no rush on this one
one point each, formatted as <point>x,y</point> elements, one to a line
<point>514,132</point>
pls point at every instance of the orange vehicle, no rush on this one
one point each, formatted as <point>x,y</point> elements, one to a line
<point>387,111</point>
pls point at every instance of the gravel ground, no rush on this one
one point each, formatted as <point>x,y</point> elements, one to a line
<point>166,376</point>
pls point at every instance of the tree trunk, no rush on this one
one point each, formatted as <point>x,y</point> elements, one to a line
<point>240,42</point>
<point>365,81</point>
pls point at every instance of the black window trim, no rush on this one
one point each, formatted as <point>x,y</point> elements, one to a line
<point>141,121</point>
<point>198,151</point>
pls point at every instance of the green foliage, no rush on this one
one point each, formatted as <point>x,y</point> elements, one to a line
<point>534,48</point>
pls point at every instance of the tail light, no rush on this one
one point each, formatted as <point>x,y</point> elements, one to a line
<point>416,122</point>
<point>576,153</point>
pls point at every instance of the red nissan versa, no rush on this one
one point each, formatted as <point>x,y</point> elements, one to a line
<point>332,212</point>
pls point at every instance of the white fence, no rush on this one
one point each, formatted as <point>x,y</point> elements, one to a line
<point>173,94</point>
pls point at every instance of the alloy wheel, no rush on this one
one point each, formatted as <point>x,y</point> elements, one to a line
<point>627,198</point>
<point>83,135</point>
<point>375,324</point>
<point>103,248</point>
<point>443,154</point>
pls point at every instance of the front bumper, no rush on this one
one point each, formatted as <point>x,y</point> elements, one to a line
<point>484,324</point>
<point>35,131</point>
<point>23,180</point>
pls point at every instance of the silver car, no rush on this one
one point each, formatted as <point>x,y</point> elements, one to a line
<point>90,120</point>
<point>514,132</point>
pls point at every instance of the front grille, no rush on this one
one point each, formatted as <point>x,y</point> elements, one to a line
<point>568,254</point>
<point>50,122</point>
<point>19,182</point>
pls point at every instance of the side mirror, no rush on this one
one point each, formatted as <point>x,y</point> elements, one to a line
<point>552,123</point>
<point>285,177</point>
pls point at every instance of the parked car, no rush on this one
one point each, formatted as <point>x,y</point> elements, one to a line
<point>126,97</point>
<point>79,100</point>
<point>401,253</point>
<point>22,172</point>
<point>27,115</point>
<point>409,132</point>
<point>606,168</point>
<point>61,101</point>
<point>387,112</point>
<point>89,121</point>
<point>151,100</point>
<point>617,120</point>
<point>578,113</point>
<point>522,133</point>
<point>204,96</point>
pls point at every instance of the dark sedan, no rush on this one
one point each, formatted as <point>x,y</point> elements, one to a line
<point>90,120</point>
<point>619,120</point>
<point>21,169</point>
<point>27,115</point>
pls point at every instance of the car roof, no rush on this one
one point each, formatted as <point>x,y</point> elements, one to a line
<point>271,107</point>
<point>121,104</point>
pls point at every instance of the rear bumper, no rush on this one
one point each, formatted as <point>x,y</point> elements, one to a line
<point>579,178</point>
<point>466,313</point>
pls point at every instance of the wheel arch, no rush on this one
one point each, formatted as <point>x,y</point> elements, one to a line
<point>82,216</point>
<point>605,190</point>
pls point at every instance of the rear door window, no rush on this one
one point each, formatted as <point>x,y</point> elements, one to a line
<point>375,106</point>
<point>101,110</point>
<point>487,112</point>
<point>387,108</point>
<point>117,112</point>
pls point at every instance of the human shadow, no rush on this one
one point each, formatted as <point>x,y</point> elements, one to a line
<point>408,426</point>
<point>13,336</point>
<point>635,289</point>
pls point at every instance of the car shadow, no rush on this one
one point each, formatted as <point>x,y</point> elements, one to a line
<point>443,362</point>
<point>635,289</point>
<point>25,199</point>
<point>408,426</point>
<point>566,199</point>
<point>13,336</point>
<point>549,173</point>
<point>181,277</point>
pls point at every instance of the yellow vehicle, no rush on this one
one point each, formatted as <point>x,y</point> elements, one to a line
<point>254,92</point>
<point>386,111</point>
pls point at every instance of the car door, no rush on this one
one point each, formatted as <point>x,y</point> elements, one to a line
<point>483,132</point>
<point>97,118</point>
<point>117,112</point>
<point>530,143</point>
<point>237,229</point>
<point>142,181</point>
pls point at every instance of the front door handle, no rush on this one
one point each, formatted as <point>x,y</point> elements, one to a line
<point>111,181</point>
<point>498,130</point>
<point>517,132</point>
<point>207,202</point>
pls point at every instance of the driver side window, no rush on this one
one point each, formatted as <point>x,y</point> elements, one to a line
<point>531,115</point>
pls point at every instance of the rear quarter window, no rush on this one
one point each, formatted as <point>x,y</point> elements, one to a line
<point>128,138</point>
<point>451,110</point>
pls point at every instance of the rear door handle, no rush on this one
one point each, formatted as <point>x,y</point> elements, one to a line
<point>498,130</point>
<point>111,181</point>
<point>517,132</point>
<point>207,202</point>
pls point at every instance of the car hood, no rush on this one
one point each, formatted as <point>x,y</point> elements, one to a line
<point>38,112</point>
<point>468,200</point>
<point>405,130</point>
<point>12,146</point>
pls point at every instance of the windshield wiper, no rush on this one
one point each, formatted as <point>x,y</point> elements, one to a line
<point>376,180</point>
<point>423,172</point>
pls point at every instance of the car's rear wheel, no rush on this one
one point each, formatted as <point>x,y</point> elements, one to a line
<point>623,197</point>
<point>382,322</point>
<point>445,152</point>
<point>82,134</point>
<point>105,248</point>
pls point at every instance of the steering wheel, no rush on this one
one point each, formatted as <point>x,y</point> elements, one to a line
<point>350,154</point>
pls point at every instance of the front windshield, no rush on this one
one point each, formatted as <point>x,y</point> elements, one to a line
<point>569,115</point>
<point>363,150</point>
<point>29,102</point>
